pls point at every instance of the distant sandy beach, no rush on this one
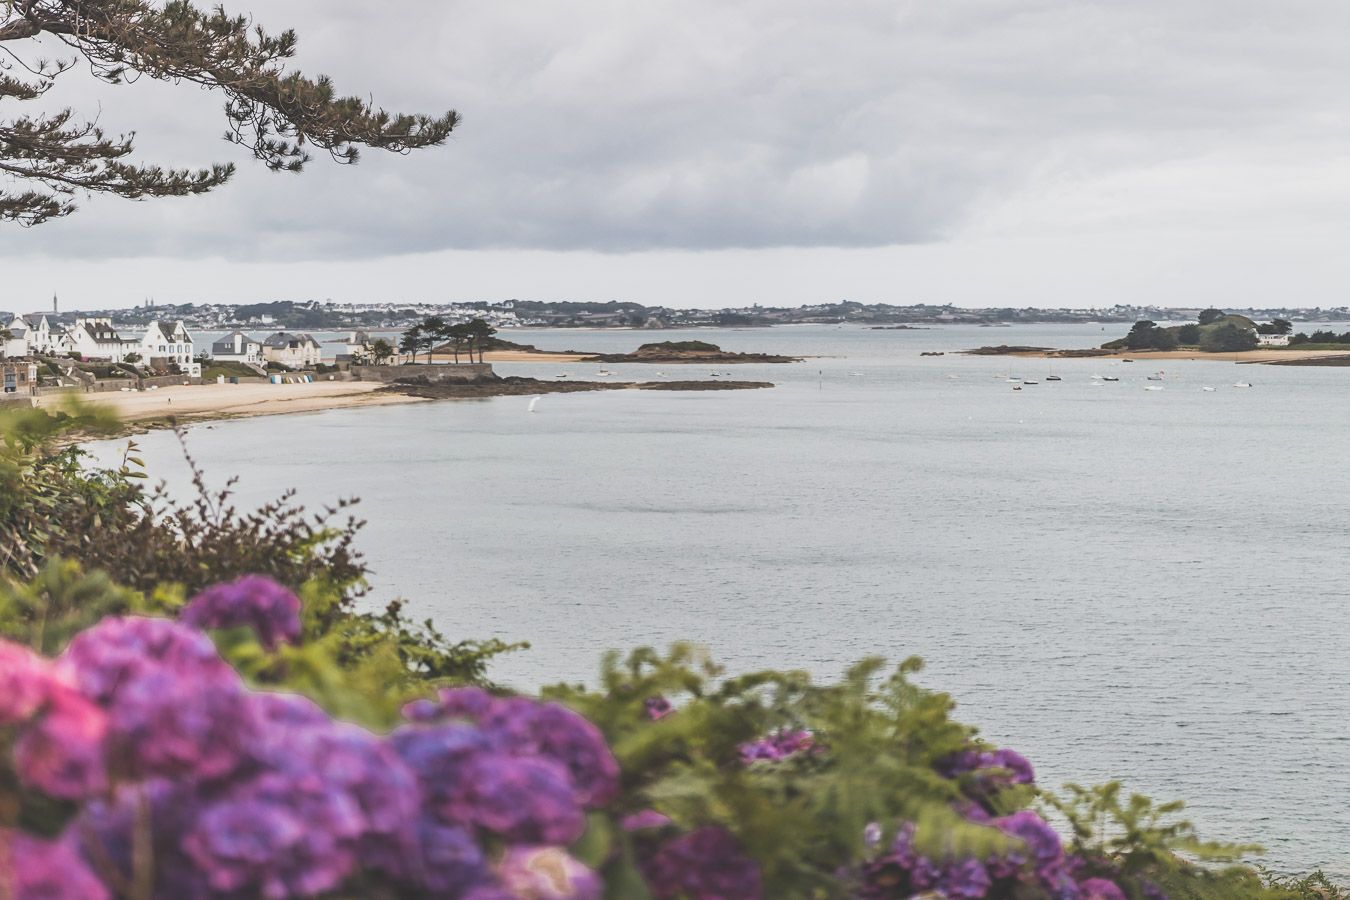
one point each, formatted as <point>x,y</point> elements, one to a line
<point>221,401</point>
<point>492,356</point>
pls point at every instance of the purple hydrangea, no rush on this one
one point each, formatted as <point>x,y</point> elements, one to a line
<point>278,710</point>
<point>777,747</point>
<point>1099,889</point>
<point>518,726</point>
<point>996,768</point>
<point>646,820</point>
<point>446,861</point>
<point>573,741</point>
<point>440,757</point>
<point>276,836</point>
<point>1042,848</point>
<point>657,707</point>
<point>707,864</point>
<point>100,659</point>
<point>254,601</point>
<point>523,799</point>
<point>164,724</point>
<point>366,769</point>
<point>175,708</point>
<point>966,878</point>
<point>52,870</point>
<point>902,870</point>
<point>62,753</point>
<point>166,810</point>
<point>547,873</point>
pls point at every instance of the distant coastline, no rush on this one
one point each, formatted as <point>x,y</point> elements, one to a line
<point>1263,356</point>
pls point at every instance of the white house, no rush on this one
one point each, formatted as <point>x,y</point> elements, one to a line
<point>238,347</point>
<point>16,345</point>
<point>43,335</point>
<point>1273,340</point>
<point>163,345</point>
<point>297,351</point>
<point>95,338</point>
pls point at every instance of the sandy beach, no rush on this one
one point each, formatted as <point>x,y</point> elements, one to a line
<point>218,401</point>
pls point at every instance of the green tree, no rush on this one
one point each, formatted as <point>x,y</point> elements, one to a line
<point>381,351</point>
<point>1189,334</point>
<point>1141,335</point>
<point>434,331</point>
<point>275,113</point>
<point>1163,339</point>
<point>1275,326</point>
<point>1211,315</point>
<point>411,342</point>
<point>480,332</point>
<point>457,336</point>
<point>1228,338</point>
<point>5,335</point>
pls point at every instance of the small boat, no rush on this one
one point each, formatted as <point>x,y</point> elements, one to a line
<point>1053,378</point>
<point>1012,380</point>
<point>1208,389</point>
<point>1243,384</point>
<point>1157,377</point>
<point>561,375</point>
<point>603,372</point>
<point>1017,387</point>
<point>1153,387</point>
<point>1031,382</point>
<point>1110,378</point>
<point>1127,360</point>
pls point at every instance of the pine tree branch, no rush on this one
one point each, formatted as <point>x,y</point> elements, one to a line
<point>275,113</point>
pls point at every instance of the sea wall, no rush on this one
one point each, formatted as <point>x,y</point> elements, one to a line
<point>422,374</point>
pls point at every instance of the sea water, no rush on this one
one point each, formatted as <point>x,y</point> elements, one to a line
<point>1119,583</point>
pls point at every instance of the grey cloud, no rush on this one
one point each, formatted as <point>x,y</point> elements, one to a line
<point>712,124</point>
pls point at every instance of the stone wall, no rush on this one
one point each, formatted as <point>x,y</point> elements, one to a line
<point>423,374</point>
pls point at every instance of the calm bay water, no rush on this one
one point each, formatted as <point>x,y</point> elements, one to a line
<point>1146,585</point>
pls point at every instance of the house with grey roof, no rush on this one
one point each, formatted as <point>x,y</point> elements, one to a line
<point>239,348</point>
<point>295,351</point>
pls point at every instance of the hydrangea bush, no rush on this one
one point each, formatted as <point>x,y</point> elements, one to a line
<point>140,763</point>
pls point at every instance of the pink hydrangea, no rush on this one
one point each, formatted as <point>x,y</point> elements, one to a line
<point>62,752</point>
<point>25,680</point>
<point>51,870</point>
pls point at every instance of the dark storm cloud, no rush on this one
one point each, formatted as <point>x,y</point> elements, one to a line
<point>708,124</point>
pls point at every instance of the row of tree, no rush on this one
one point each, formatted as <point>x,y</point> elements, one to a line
<point>1227,337</point>
<point>434,332</point>
<point>1320,337</point>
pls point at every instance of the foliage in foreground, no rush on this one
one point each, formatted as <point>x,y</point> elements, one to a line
<point>252,741</point>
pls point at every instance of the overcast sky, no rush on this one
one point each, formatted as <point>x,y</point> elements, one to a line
<point>720,152</point>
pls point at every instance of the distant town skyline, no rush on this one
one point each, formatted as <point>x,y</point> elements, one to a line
<point>713,154</point>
